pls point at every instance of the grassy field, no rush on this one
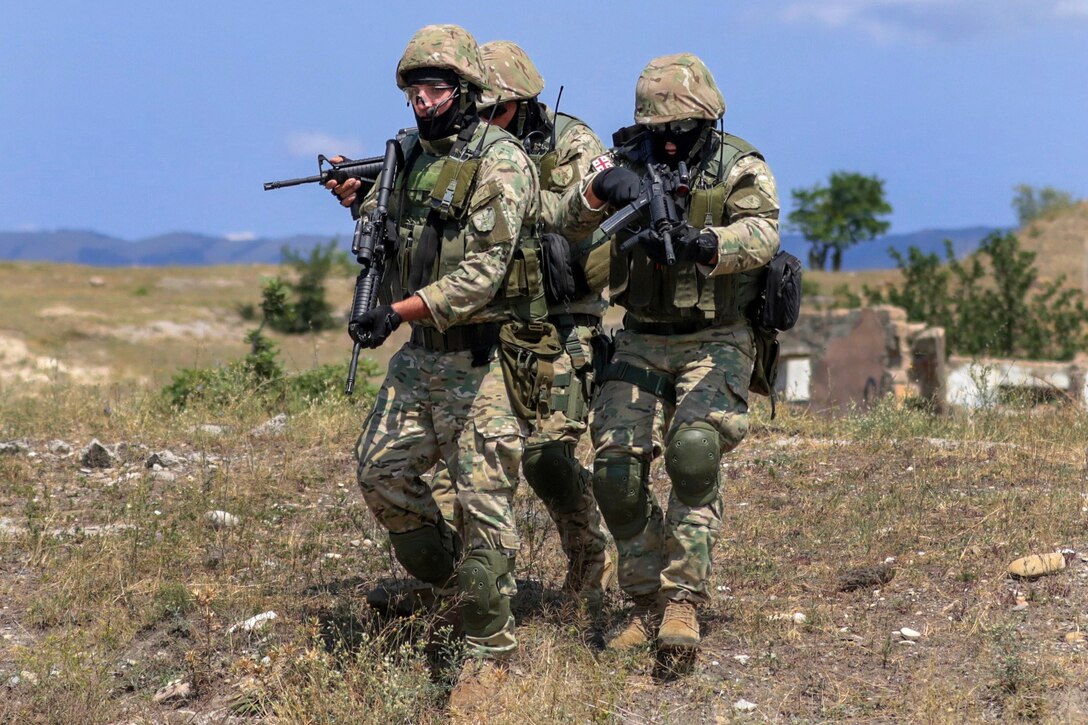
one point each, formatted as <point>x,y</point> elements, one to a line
<point>121,601</point>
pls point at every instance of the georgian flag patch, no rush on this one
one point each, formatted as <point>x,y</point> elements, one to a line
<point>602,162</point>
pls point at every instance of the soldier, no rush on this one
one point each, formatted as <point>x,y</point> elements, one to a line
<point>562,147</point>
<point>678,384</point>
<point>466,194</point>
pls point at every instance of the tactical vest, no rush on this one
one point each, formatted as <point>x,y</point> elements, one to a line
<point>436,190</point>
<point>659,293</point>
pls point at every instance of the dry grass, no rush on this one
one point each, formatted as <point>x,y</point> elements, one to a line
<point>112,583</point>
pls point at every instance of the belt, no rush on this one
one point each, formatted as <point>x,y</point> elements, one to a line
<point>683,327</point>
<point>457,339</point>
<point>565,321</point>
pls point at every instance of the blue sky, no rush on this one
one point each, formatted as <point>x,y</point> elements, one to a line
<point>135,118</point>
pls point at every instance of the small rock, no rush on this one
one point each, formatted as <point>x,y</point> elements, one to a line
<point>912,635</point>
<point>367,543</point>
<point>333,555</point>
<point>13,447</point>
<point>865,576</point>
<point>799,618</point>
<point>356,543</point>
<point>14,681</point>
<point>1037,565</point>
<point>254,623</point>
<point>743,705</point>
<point>174,691</point>
<point>1074,637</point>
<point>96,455</point>
<point>164,458</point>
<point>222,519</point>
<point>58,447</point>
<point>210,429</point>
<point>164,476</point>
<point>274,426</point>
<point>96,281</point>
<point>743,659</point>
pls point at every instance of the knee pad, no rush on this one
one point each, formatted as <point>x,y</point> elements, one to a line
<point>554,474</point>
<point>619,485</point>
<point>428,553</point>
<point>485,609</point>
<point>691,460</point>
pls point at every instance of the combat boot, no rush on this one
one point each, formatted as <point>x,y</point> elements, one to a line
<point>639,630</point>
<point>473,696</point>
<point>679,627</point>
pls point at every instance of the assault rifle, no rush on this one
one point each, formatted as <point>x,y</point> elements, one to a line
<point>660,187</point>
<point>365,170</point>
<point>370,244</point>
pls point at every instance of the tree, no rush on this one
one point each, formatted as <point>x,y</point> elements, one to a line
<point>310,311</point>
<point>991,303</point>
<point>835,217</point>
<point>1031,203</point>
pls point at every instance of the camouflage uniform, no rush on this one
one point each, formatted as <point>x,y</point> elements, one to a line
<point>687,339</point>
<point>513,77</point>
<point>444,397</point>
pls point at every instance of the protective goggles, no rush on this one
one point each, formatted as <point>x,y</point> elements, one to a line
<point>675,127</point>
<point>432,94</point>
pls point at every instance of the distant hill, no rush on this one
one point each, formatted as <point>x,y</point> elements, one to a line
<point>874,254</point>
<point>1060,243</point>
<point>188,249</point>
<point>175,249</point>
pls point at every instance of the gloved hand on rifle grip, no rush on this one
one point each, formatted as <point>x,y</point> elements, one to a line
<point>371,328</point>
<point>694,245</point>
<point>617,186</point>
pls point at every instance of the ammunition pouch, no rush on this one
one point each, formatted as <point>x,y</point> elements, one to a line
<point>527,351</point>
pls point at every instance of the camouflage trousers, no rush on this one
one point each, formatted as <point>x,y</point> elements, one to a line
<point>439,407</point>
<point>581,535</point>
<point>712,368</point>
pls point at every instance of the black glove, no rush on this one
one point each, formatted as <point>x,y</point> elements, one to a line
<point>371,328</point>
<point>695,245</point>
<point>618,186</point>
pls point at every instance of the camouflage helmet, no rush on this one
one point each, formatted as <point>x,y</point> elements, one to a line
<point>510,73</point>
<point>677,88</point>
<point>443,46</point>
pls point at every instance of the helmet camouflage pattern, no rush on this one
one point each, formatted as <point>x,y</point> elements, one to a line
<point>443,46</point>
<point>677,88</point>
<point>510,73</point>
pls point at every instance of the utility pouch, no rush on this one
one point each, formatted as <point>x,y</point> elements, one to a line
<point>765,370</point>
<point>527,353</point>
<point>559,279</point>
<point>781,299</point>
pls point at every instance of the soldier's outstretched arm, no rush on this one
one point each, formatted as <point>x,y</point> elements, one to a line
<point>750,239</point>
<point>577,149</point>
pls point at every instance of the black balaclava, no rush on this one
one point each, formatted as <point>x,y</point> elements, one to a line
<point>452,118</point>
<point>686,144</point>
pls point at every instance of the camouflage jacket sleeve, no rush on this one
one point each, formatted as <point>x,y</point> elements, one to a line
<point>575,150</point>
<point>505,197</point>
<point>750,239</point>
<point>573,218</point>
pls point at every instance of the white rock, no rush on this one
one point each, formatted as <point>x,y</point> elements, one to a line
<point>743,659</point>
<point>58,447</point>
<point>174,690</point>
<point>164,458</point>
<point>254,623</point>
<point>367,543</point>
<point>164,476</point>
<point>222,519</point>
<point>743,705</point>
<point>799,618</point>
<point>211,429</point>
<point>273,426</point>
<point>910,634</point>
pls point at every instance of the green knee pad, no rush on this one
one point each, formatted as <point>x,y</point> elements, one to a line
<point>486,610</point>
<point>619,485</point>
<point>428,553</point>
<point>554,474</point>
<point>691,460</point>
